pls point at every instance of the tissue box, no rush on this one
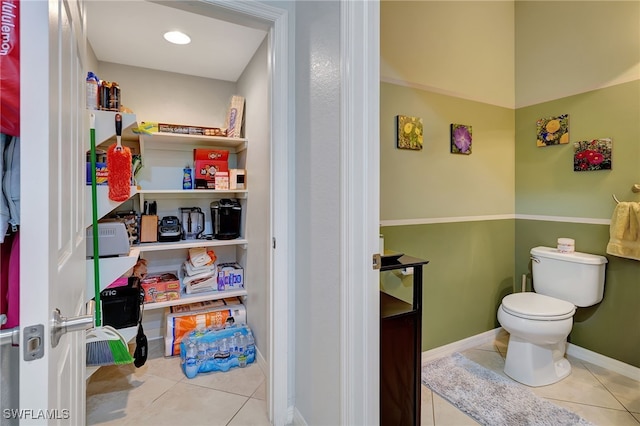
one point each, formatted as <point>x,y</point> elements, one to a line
<point>231,275</point>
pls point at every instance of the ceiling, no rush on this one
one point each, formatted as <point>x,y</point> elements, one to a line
<point>131,33</point>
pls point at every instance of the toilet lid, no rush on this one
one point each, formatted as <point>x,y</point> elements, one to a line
<point>537,306</point>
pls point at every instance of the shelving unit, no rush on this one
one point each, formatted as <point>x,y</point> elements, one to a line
<point>164,157</point>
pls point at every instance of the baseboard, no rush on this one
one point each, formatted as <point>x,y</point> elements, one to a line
<point>575,351</point>
<point>603,361</point>
<point>461,345</point>
<point>298,420</point>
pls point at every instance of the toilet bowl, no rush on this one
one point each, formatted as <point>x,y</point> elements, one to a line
<point>538,326</point>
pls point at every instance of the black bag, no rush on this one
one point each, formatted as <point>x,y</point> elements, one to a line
<point>121,305</point>
<point>142,348</point>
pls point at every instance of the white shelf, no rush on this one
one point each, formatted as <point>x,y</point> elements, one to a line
<point>185,244</point>
<point>111,268</point>
<point>180,142</point>
<point>106,126</point>
<point>192,298</point>
<point>190,193</point>
<point>105,205</point>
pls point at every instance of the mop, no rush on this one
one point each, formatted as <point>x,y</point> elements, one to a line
<point>119,166</point>
<point>105,346</point>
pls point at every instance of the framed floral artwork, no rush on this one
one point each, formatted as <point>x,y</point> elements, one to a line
<point>409,132</point>
<point>552,130</point>
<point>592,155</point>
<point>461,138</point>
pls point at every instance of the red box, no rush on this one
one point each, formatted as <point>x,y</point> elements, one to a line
<point>207,163</point>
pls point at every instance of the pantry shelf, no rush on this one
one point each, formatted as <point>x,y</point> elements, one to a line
<point>181,142</point>
<point>185,244</point>
<point>105,205</point>
<point>111,268</point>
<point>192,298</point>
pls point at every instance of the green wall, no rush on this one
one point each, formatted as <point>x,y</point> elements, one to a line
<point>546,185</point>
<point>470,270</point>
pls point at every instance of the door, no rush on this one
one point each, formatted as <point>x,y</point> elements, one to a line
<point>52,256</point>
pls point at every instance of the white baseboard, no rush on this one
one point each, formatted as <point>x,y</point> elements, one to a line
<point>575,351</point>
<point>461,345</point>
<point>603,361</point>
<point>298,420</point>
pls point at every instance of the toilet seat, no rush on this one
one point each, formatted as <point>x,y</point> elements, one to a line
<point>529,305</point>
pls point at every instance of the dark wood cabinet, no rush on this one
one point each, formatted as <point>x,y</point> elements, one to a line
<point>401,348</point>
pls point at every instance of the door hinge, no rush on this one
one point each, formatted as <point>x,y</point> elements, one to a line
<point>274,243</point>
<point>376,261</point>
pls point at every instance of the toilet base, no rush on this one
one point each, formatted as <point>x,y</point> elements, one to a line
<point>536,365</point>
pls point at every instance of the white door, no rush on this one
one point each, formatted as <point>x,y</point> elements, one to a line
<point>52,252</point>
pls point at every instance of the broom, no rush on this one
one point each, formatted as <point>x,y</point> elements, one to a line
<point>105,346</point>
<point>119,166</point>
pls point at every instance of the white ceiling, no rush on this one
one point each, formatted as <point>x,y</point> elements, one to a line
<point>131,33</point>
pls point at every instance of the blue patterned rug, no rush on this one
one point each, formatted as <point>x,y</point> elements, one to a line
<point>489,398</point>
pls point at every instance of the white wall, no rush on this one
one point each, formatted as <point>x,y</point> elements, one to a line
<point>253,84</point>
<point>167,97</point>
<point>317,281</point>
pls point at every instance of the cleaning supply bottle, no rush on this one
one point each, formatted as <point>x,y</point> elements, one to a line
<point>187,177</point>
<point>92,90</point>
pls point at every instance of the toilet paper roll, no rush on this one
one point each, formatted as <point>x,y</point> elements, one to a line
<point>566,245</point>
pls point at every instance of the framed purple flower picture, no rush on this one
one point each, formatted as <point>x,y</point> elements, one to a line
<point>592,155</point>
<point>409,132</point>
<point>461,139</point>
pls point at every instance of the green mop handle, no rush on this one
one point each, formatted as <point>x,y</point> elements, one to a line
<point>94,215</point>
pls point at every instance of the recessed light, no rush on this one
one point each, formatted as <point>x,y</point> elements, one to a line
<point>177,37</point>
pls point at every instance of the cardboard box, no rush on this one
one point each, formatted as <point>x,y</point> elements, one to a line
<point>237,179</point>
<point>222,181</point>
<point>160,287</point>
<point>207,163</point>
<point>182,129</point>
<point>102,174</point>
<point>231,276</point>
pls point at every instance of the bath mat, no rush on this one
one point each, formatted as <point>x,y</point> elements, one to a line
<point>489,398</point>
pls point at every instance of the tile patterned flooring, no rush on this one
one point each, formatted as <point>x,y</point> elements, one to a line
<point>159,394</point>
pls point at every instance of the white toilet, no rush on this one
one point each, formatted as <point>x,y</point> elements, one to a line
<point>539,323</point>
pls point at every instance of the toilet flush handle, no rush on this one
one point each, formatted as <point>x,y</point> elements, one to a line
<point>535,259</point>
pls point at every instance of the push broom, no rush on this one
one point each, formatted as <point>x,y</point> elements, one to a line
<point>105,346</point>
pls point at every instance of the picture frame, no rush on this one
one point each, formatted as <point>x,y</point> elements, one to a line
<point>409,132</point>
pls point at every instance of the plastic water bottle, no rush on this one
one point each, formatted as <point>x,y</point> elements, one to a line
<point>191,366</point>
<point>250,347</point>
<point>212,350</point>
<point>224,349</point>
<point>202,352</point>
<point>242,356</point>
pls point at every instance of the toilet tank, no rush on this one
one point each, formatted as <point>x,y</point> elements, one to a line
<point>575,277</point>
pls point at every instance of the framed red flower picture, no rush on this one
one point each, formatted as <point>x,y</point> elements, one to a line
<point>592,155</point>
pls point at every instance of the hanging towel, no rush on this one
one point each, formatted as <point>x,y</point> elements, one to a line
<point>624,234</point>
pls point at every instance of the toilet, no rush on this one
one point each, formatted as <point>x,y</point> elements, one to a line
<point>539,323</point>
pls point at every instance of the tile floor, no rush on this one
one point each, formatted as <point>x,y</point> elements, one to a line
<point>159,394</point>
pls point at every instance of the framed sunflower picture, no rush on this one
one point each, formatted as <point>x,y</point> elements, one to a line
<point>552,130</point>
<point>461,138</point>
<point>409,132</point>
<point>592,155</point>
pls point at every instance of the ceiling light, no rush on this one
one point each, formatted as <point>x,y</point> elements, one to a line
<point>177,37</point>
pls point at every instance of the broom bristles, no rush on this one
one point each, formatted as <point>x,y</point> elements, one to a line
<point>105,347</point>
